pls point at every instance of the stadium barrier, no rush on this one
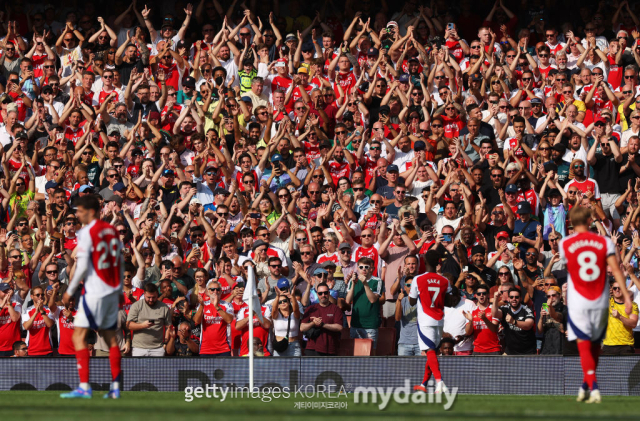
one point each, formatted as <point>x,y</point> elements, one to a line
<point>498,375</point>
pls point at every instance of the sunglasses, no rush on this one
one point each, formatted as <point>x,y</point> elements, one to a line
<point>578,166</point>
<point>323,293</point>
<point>514,297</point>
<point>283,302</point>
<point>615,288</point>
<point>215,289</point>
<point>481,293</point>
<point>305,253</point>
<point>301,239</point>
<point>274,266</point>
<point>503,274</point>
<point>51,272</point>
<point>552,295</point>
<point>364,267</point>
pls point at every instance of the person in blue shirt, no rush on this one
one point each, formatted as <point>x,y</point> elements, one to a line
<point>525,229</point>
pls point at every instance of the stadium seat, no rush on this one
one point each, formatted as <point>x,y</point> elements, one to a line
<point>362,347</point>
<point>386,341</point>
<point>345,333</point>
<point>346,347</point>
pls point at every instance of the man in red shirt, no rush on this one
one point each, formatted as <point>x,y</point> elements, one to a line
<point>215,315</point>
<point>260,328</point>
<point>482,325</point>
<point>64,316</point>
<point>9,320</point>
<point>38,321</point>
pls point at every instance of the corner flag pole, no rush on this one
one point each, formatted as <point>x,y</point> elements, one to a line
<point>250,297</point>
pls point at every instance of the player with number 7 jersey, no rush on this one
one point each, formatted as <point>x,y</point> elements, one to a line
<point>428,291</point>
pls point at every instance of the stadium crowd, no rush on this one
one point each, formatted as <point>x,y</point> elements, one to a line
<point>337,148</point>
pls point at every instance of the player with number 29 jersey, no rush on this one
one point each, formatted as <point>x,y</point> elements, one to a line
<point>585,255</point>
<point>101,265</point>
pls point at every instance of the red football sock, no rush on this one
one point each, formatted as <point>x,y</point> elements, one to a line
<point>432,360</point>
<point>427,373</point>
<point>82,357</point>
<point>114,360</point>
<point>588,362</point>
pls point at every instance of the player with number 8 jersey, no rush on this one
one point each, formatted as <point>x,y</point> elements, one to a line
<point>587,256</point>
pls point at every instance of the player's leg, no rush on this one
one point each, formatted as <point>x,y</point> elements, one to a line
<point>115,361</point>
<point>588,368</point>
<point>79,339</point>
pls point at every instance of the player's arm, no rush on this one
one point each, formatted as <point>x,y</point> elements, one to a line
<point>83,262</point>
<point>496,313</point>
<point>614,263</point>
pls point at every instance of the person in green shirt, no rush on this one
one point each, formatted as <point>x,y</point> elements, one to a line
<point>365,292</point>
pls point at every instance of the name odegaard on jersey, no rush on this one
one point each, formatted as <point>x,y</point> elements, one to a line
<point>585,243</point>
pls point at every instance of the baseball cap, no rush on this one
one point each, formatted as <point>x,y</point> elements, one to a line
<point>283,283</point>
<point>344,246</point>
<point>413,59</point>
<point>82,188</point>
<point>319,271</point>
<point>303,70</point>
<point>290,37</point>
<point>384,109</point>
<point>47,89</point>
<point>536,100</point>
<point>22,135</point>
<point>392,23</point>
<point>559,147</point>
<point>4,287</point>
<point>600,120</point>
<point>404,78</point>
<point>136,152</point>
<point>503,234</point>
<point>257,244</point>
<point>392,168</point>
<point>419,146</point>
<point>168,173</point>
<point>50,185</point>
<point>511,188</point>
<point>373,52</point>
<point>116,199</point>
<point>328,264</point>
<point>246,99</point>
<point>154,115</point>
<point>119,186</point>
<point>476,77</point>
<point>276,158</point>
<point>189,81</point>
<point>281,63</point>
<point>195,201</point>
<point>220,190</point>
<point>523,208</point>
<point>238,285</point>
<point>477,250</point>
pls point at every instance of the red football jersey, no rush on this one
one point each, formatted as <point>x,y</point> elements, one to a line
<point>430,289</point>
<point>213,337</point>
<point>585,255</point>
<point>38,334</point>
<point>484,340</point>
<point>9,331</point>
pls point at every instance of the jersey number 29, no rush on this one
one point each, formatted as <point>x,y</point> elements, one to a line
<point>105,251</point>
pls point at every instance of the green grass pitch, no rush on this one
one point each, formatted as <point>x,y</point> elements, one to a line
<point>148,406</point>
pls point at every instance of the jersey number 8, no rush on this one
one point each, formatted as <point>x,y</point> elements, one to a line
<point>589,270</point>
<point>104,250</point>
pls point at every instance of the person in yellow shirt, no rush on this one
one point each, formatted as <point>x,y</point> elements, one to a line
<point>619,337</point>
